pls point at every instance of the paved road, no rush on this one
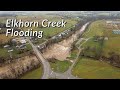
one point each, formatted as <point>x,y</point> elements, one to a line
<point>45,63</point>
<point>48,73</point>
<point>62,76</point>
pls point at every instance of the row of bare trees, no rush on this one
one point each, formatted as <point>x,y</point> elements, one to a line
<point>17,71</point>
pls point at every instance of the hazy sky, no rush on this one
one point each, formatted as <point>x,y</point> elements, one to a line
<point>42,12</point>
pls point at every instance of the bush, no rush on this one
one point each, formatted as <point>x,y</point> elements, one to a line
<point>52,60</point>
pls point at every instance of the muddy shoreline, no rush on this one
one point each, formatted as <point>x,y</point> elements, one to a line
<point>61,50</point>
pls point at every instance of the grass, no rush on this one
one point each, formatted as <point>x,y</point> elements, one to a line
<point>50,31</point>
<point>112,45</point>
<point>4,53</point>
<point>39,41</point>
<point>16,51</point>
<point>92,69</point>
<point>34,74</point>
<point>73,54</point>
<point>79,43</point>
<point>29,47</point>
<point>99,28</point>
<point>96,28</point>
<point>92,44</point>
<point>60,66</point>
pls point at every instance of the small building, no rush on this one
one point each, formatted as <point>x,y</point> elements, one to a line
<point>11,50</point>
<point>14,40</point>
<point>109,22</point>
<point>106,38</point>
<point>22,46</point>
<point>23,41</point>
<point>6,46</point>
<point>112,22</point>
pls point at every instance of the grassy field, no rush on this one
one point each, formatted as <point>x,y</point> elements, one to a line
<point>73,54</point>
<point>79,43</point>
<point>4,52</point>
<point>16,51</point>
<point>48,32</point>
<point>60,66</point>
<point>112,45</point>
<point>34,74</point>
<point>93,69</point>
<point>90,68</point>
<point>99,28</point>
<point>95,47</point>
<point>96,28</point>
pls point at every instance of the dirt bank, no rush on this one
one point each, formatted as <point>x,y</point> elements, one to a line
<point>62,49</point>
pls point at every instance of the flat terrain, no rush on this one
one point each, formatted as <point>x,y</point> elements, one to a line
<point>53,31</point>
<point>34,74</point>
<point>60,66</point>
<point>100,28</point>
<point>93,69</point>
<point>4,39</point>
<point>90,68</point>
<point>16,53</point>
<point>96,28</point>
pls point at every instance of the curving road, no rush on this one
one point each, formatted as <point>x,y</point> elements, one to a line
<point>48,73</point>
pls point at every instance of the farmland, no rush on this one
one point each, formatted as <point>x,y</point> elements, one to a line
<point>50,31</point>
<point>99,28</point>
<point>88,48</point>
<point>94,69</point>
<point>89,66</point>
<point>96,28</point>
<point>34,74</point>
<point>16,53</point>
<point>58,66</point>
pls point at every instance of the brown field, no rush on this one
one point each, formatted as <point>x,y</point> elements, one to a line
<point>4,39</point>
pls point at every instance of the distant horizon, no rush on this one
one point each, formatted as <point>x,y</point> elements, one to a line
<point>45,12</point>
